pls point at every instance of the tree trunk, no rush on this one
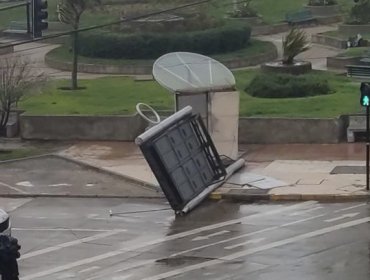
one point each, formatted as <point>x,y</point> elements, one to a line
<point>4,120</point>
<point>75,60</point>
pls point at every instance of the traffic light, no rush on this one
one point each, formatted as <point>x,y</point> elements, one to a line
<point>40,16</point>
<point>365,94</point>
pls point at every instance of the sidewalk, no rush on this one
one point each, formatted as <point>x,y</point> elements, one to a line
<point>303,171</point>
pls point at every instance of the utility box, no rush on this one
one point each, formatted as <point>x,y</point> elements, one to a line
<point>209,88</point>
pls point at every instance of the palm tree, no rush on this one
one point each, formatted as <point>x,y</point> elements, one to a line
<point>70,12</point>
<point>294,43</point>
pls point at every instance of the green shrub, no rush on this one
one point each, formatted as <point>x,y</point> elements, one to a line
<point>287,86</point>
<point>105,44</point>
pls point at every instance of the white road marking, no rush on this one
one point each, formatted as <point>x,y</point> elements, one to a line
<point>246,235</point>
<point>135,246</point>
<point>121,277</point>
<point>258,249</point>
<point>60,185</point>
<point>252,241</point>
<point>91,268</point>
<point>69,244</point>
<point>12,188</point>
<point>301,221</point>
<point>345,216</point>
<point>66,276</point>
<point>223,241</point>
<point>350,208</point>
<point>63,229</point>
<point>306,211</point>
<point>126,267</point>
<point>25,184</point>
<point>205,237</point>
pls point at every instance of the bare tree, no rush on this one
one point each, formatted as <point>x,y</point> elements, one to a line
<point>70,12</point>
<point>16,80</point>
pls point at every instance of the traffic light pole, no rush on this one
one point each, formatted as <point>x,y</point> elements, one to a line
<point>28,11</point>
<point>367,147</point>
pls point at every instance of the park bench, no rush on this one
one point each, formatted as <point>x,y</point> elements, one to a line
<point>356,123</point>
<point>17,26</point>
<point>358,71</point>
<point>299,17</point>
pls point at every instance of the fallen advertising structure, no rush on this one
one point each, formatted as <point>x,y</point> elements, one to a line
<point>184,159</point>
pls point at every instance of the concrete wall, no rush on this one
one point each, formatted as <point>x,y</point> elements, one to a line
<point>126,128</point>
<point>6,50</point>
<point>282,130</point>
<point>341,62</point>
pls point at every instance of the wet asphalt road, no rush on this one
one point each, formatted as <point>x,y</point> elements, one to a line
<point>77,239</point>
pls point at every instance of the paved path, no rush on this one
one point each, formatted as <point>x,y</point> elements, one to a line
<point>317,54</point>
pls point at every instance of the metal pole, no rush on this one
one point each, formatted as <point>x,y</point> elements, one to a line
<point>367,147</point>
<point>28,18</point>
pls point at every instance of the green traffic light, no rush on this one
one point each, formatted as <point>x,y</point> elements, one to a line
<point>365,101</point>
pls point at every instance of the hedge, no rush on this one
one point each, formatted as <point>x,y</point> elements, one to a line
<point>104,44</point>
<point>288,86</point>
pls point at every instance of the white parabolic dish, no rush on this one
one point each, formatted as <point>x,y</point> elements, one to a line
<point>184,72</point>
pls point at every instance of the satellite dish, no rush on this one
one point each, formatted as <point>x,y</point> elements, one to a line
<point>184,72</point>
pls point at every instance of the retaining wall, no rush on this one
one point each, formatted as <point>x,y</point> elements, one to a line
<point>341,62</point>
<point>284,130</point>
<point>126,128</point>
<point>123,128</point>
<point>329,41</point>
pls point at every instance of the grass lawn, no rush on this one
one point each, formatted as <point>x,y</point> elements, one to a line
<point>18,153</point>
<point>354,52</point>
<point>119,95</point>
<point>256,47</point>
<point>272,11</point>
<point>337,34</point>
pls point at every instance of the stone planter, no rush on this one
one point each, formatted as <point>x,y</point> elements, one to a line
<point>324,11</point>
<point>354,29</point>
<point>298,68</point>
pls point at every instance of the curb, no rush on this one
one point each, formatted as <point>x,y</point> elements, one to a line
<point>289,197</point>
<point>66,195</point>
